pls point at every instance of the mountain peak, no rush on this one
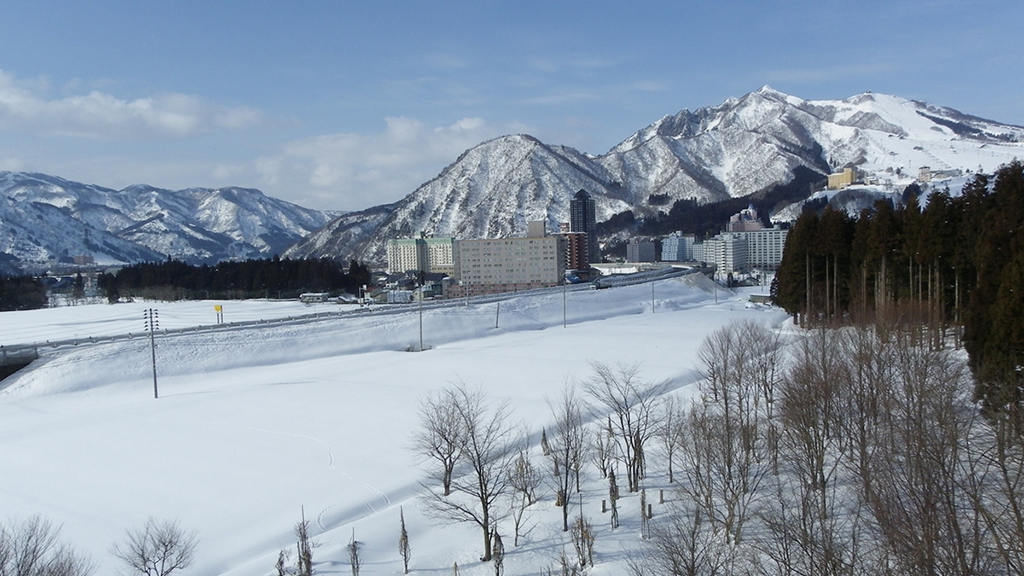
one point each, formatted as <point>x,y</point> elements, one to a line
<point>767,90</point>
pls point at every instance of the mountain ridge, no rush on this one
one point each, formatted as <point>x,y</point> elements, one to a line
<point>46,219</point>
<point>741,148</point>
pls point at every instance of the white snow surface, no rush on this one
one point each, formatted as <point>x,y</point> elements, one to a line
<point>255,425</point>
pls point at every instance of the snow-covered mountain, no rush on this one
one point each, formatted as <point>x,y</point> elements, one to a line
<point>44,219</point>
<point>737,149</point>
<point>491,191</point>
<point>344,231</point>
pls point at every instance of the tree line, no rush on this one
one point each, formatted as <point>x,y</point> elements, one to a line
<point>21,293</point>
<point>263,278</point>
<point>954,269</point>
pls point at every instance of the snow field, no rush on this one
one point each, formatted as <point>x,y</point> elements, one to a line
<point>255,425</point>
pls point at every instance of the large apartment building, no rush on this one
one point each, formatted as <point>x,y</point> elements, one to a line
<point>742,251</point>
<point>509,264</point>
<point>422,254</point>
<point>639,250</point>
<point>678,247</point>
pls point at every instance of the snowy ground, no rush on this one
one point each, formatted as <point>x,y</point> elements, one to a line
<point>254,425</point>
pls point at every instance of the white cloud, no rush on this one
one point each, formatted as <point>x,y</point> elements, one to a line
<point>362,170</point>
<point>24,105</point>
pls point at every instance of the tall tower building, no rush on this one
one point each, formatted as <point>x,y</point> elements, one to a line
<point>582,218</point>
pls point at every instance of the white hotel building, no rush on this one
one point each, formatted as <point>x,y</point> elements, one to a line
<point>743,251</point>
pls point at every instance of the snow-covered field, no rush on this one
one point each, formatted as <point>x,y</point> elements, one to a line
<point>255,425</point>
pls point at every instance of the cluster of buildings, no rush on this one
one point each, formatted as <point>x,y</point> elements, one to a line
<point>455,268</point>
<point>745,245</point>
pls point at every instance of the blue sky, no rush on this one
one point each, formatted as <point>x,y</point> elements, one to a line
<point>343,105</point>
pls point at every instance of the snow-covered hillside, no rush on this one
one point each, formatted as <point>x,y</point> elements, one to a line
<point>493,190</point>
<point>254,425</point>
<point>45,219</point>
<point>750,143</point>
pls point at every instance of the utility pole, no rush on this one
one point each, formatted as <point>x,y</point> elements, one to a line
<point>563,305</point>
<point>421,317</point>
<point>152,323</point>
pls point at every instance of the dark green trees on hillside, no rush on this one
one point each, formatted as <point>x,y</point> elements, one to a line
<point>954,267</point>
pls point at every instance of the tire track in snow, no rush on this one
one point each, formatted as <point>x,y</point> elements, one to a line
<point>331,465</point>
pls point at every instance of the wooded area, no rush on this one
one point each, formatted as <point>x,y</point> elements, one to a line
<point>267,278</point>
<point>954,269</point>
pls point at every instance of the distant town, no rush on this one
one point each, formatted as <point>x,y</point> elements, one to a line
<point>426,267</point>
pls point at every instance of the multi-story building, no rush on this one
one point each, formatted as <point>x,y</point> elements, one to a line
<point>422,254</point>
<point>765,247</point>
<point>844,179</point>
<point>639,250</point>
<point>678,247</point>
<point>698,252</point>
<point>405,254</point>
<point>440,254</point>
<point>583,218</point>
<point>745,220</point>
<point>575,250</point>
<point>741,251</point>
<point>509,264</point>
<point>727,251</point>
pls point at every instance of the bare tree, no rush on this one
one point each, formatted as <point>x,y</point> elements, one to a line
<point>671,432</point>
<point>281,567</point>
<point>811,531</point>
<point>632,403</point>
<point>488,452</point>
<point>33,548</point>
<point>157,548</point>
<point>524,480</point>
<point>766,368</point>
<point>582,536</point>
<point>726,455</point>
<point>441,436</point>
<point>1000,453</point>
<point>684,545</point>
<point>919,490</point>
<point>567,447</point>
<point>602,449</point>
